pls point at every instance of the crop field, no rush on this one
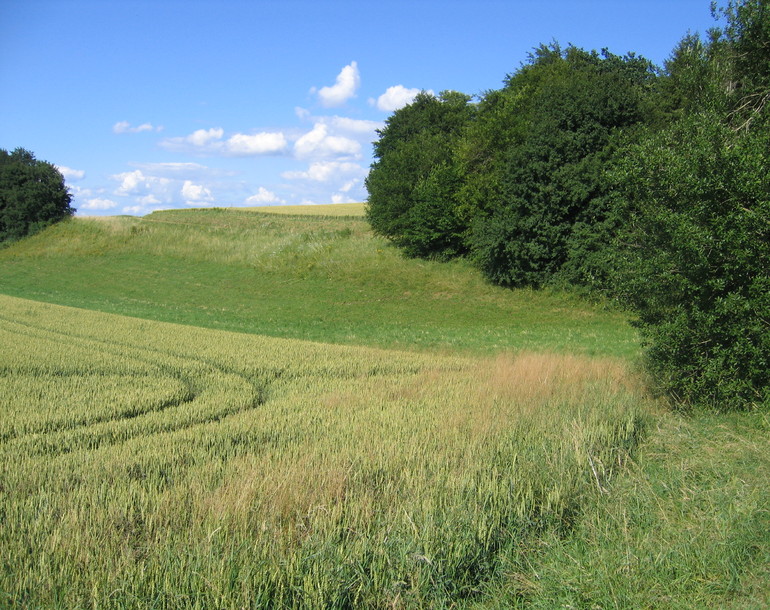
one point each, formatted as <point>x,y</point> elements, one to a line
<point>296,416</point>
<point>332,209</point>
<point>147,464</point>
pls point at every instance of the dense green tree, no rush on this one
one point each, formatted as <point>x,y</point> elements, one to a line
<point>693,245</point>
<point>404,195</point>
<point>694,259</point>
<point>32,194</point>
<point>571,106</point>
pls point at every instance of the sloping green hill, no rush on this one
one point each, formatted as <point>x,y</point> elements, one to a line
<point>308,277</point>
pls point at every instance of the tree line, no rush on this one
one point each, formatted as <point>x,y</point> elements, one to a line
<point>610,175</point>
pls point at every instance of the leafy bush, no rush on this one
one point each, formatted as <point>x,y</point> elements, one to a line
<point>694,261</point>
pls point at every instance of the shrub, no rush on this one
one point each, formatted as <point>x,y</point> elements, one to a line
<point>695,259</point>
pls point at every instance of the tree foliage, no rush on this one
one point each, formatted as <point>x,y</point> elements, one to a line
<point>32,194</point>
<point>693,247</point>
<point>574,104</point>
<point>408,199</point>
<point>695,253</point>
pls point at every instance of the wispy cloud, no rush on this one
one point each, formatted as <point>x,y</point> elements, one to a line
<point>99,204</point>
<point>71,174</point>
<point>181,170</point>
<point>125,127</point>
<point>324,171</point>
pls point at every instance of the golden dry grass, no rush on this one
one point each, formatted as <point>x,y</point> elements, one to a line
<point>330,209</point>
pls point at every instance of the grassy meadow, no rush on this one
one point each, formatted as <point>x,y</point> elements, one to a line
<point>331,209</point>
<point>317,278</point>
<point>228,409</point>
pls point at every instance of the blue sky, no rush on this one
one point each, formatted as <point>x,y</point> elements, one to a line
<point>161,104</point>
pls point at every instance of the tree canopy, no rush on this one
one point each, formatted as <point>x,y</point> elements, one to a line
<point>32,194</point>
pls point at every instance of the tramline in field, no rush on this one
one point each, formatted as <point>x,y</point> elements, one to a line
<point>151,461</point>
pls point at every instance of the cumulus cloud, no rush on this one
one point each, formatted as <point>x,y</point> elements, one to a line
<point>344,88</point>
<point>211,142</point>
<point>201,137</point>
<point>71,174</point>
<point>98,203</point>
<point>125,127</point>
<point>140,184</point>
<point>195,194</point>
<point>320,143</point>
<point>257,144</point>
<point>324,171</point>
<point>262,197</point>
<point>396,98</point>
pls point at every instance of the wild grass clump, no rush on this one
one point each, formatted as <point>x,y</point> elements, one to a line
<point>183,467</point>
<point>686,526</point>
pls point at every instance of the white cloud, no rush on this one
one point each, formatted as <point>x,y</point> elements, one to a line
<point>136,210</point>
<point>262,197</point>
<point>199,141</point>
<point>71,174</point>
<point>396,98</point>
<point>319,143</point>
<point>140,184</point>
<point>324,171</point>
<point>341,198</point>
<point>149,200</point>
<point>180,171</point>
<point>195,194</point>
<point>257,144</point>
<point>99,204</point>
<point>348,81</point>
<point>355,126</point>
<point>202,137</point>
<point>210,142</point>
<point>125,127</point>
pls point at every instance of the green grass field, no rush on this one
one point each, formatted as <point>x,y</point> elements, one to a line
<point>316,278</point>
<point>296,416</point>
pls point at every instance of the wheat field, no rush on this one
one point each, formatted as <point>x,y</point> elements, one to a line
<point>151,464</point>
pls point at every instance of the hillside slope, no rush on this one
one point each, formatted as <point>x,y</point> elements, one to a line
<point>314,277</point>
